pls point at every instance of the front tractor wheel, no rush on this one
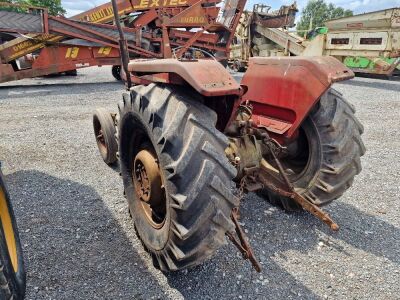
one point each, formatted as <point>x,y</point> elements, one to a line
<point>176,176</point>
<point>325,158</point>
<point>104,131</point>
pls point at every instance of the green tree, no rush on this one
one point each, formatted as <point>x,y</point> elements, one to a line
<point>54,6</point>
<point>319,12</point>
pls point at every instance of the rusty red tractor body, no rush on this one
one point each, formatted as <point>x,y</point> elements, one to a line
<point>190,141</point>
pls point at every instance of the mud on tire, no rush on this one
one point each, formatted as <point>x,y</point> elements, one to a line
<point>196,174</point>
<point>336,145</point>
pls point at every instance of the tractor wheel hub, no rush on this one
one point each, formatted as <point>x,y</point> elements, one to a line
<point>149,188</point>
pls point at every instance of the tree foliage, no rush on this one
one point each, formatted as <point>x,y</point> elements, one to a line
<point>320,12</point>
<point>54,6</point>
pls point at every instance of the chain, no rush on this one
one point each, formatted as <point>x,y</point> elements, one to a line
<point>241,242</point>
<point>242,184</point>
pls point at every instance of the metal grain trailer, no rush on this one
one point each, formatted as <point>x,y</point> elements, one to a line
<point>367,43</point>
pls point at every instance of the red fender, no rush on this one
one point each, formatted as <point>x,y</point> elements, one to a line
<point>283,90</point>
<point>208,77</point>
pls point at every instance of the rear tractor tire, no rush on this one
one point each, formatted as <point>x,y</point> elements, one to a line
<point>176,176</point>
<point>12,271</point>
<point>328,154</point>
<point>104,131</point>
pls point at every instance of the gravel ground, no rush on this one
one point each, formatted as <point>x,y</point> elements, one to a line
<point>79,241</point>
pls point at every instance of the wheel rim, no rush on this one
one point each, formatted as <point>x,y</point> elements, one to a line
<point>303,157</point>
<point>299,161</point>
<point>100,139</point>
<point>8,230</point>
<point>149,187</point>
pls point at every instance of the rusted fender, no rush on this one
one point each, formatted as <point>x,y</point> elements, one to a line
<point>283,90</point>
<point>208,77</point>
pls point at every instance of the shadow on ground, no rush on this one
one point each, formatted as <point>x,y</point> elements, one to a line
<point>274,234</point>
<point>73,247</point>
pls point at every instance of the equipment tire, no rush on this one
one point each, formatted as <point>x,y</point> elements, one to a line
<point>238,66</point>
<point>72,73</point>
<point>189,223</point>
<point>116,73</point>
<point>12,271</point>
<point>104,131</point>
<point>235,66</point>
<point>334,140</point>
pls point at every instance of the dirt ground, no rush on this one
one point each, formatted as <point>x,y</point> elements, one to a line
<point>79,241</point>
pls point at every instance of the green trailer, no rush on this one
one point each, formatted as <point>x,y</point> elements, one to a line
<point>367,43</point>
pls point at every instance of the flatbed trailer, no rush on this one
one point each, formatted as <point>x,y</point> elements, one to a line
<point>48,44</point>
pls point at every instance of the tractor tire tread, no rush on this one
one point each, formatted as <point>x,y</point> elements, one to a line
<point>197,168</point>
<point>108,126</point>
<point>348,148</point>
<point>341,145</point>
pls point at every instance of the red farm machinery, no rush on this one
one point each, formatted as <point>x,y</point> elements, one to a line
<point>189,139</point>
<point>36,44</point>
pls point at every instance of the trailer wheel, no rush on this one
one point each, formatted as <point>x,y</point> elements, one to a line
<point>116,72</point>
<point>328,154</point>
<point>72,72</point>
<point>176,176</point>
<point>104,131</point>
<point>12,272</point>
<point>238,66</point>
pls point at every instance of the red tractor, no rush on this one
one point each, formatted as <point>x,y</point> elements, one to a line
<point>190,141</point>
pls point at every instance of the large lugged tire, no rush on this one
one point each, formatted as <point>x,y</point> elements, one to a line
<point>161,129</point>
<point>12,272</point>
<point>104,131</point>
<point>331,155</point>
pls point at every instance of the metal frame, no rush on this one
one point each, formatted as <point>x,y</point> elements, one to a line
<point>160,26</point>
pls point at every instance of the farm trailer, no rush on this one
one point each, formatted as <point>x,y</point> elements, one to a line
<point>367,43</point>
<point>37,44</point>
